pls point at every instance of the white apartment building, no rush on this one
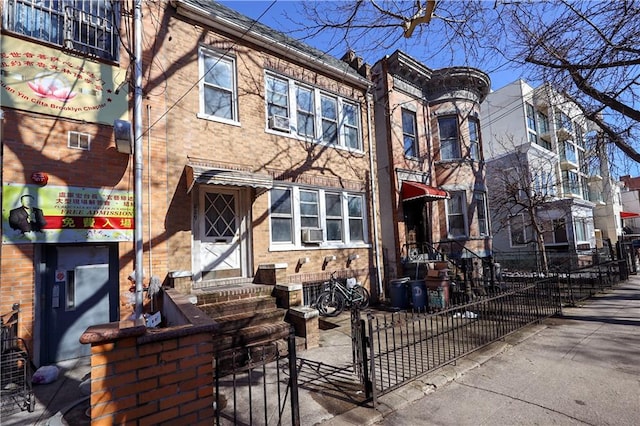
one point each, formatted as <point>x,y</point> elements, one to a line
<point>540,138</point>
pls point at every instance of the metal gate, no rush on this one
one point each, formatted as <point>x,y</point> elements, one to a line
<point>258,385</point>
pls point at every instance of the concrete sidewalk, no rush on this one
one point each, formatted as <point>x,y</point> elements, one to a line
<point>582,368</point>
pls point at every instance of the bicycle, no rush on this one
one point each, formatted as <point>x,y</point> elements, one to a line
<point>336,296</point>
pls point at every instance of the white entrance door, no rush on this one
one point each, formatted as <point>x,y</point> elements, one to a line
<point>220,254</point>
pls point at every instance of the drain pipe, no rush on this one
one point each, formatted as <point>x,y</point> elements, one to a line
<point>137,151</point>
<point>374,198</point>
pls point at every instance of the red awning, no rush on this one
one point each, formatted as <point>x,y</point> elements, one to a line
<point>628,215</point>
<point>415,190</point>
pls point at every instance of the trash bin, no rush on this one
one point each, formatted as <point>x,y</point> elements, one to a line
<point>418,295</point>
<point>438,291</point>
<point>399,293</point>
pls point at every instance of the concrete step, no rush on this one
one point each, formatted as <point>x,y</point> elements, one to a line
<point>232,322</point>
<point>248,304</point>
<point>230,292</point>
<point>252,336</point>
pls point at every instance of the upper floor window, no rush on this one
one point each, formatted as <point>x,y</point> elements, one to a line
<point>474,139</point>
<point>456,216</point>
<point>309,113</point>
<point>86,26</point>
<point>564,122</point>
<point>218,91</point>
<point>449,142</point>
<point>409,132</point>
<point>480,200</point>
<point>531,118</point>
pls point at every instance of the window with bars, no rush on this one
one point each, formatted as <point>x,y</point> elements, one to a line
<point>85,26</point>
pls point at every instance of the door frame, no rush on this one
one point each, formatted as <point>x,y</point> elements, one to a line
<point>243,216</point>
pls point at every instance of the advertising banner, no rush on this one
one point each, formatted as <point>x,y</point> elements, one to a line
<point>40,79</point>
<point>61,214</point>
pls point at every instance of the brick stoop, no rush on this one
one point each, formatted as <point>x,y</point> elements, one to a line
<point>248,317</point>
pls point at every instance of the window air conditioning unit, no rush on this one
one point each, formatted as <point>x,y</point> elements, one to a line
<point>312,235</point>
<point>280,123</point>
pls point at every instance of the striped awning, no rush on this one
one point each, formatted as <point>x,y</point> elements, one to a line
<point>215,176</point>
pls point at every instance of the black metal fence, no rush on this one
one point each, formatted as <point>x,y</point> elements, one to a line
<point>403,346</point>
<point>258,385</point>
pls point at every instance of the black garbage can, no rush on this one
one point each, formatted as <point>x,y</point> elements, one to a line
<point>418,295</point>
<point>399,293</point>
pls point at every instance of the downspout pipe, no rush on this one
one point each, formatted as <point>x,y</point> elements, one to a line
<point>137,155</point>
<point>374,197</point>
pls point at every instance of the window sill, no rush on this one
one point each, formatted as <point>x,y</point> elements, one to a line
<point>323,246</point>
<point>218,119</point>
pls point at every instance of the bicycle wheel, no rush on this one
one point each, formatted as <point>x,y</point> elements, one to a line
<point>330,304</point>
<point>360,296</point>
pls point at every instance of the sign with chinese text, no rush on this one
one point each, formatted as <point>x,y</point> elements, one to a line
<point>61,214</point>
<point>40,79</point>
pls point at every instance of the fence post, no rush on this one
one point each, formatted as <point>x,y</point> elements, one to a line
<point>371,383</point>
<point>293,378</point>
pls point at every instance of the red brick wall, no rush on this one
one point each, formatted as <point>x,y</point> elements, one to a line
<point>151,383</point>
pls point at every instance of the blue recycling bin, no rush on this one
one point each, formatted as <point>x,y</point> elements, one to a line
<point>418,294</point>
<point>399,293</point>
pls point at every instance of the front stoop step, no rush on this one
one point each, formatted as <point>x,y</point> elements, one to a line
<point>252,336</point>
<point>230,323</point>
<point>238,306</point>
<point>225,293</point>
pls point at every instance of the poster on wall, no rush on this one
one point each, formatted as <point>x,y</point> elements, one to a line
<point>65,214</point>
<point>41,79</point>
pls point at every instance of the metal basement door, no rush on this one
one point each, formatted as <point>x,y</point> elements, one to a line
<point>76,298</point>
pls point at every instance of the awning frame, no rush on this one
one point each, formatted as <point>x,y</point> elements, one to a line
<point>205,175</point>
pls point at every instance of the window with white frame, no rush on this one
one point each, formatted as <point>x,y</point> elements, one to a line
<point>338,214</point>
<point>79,140</point>
<point>277,97</point>
<point>456,217</point>
<point>334,220</point>
<point>449,141</point>
<point>281,215</point>
<point>480,200</point>
<point>409,137</point>
<point>474,139</point>
<point>218,91</point>
<point>309,210</point>
<point>356,217</point>
<point>306,111</point>
<point>309,113</point>
<point>83,26</point>
<point>581,227</point>
<point>329,114</point>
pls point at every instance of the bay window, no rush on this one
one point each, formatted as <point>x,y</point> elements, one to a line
<point>449,142</point>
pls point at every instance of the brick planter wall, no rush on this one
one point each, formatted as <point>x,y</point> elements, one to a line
<point>147,376</point>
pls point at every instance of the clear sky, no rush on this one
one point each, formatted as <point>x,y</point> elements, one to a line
<point>277,15</point>
<point>281,14</point>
